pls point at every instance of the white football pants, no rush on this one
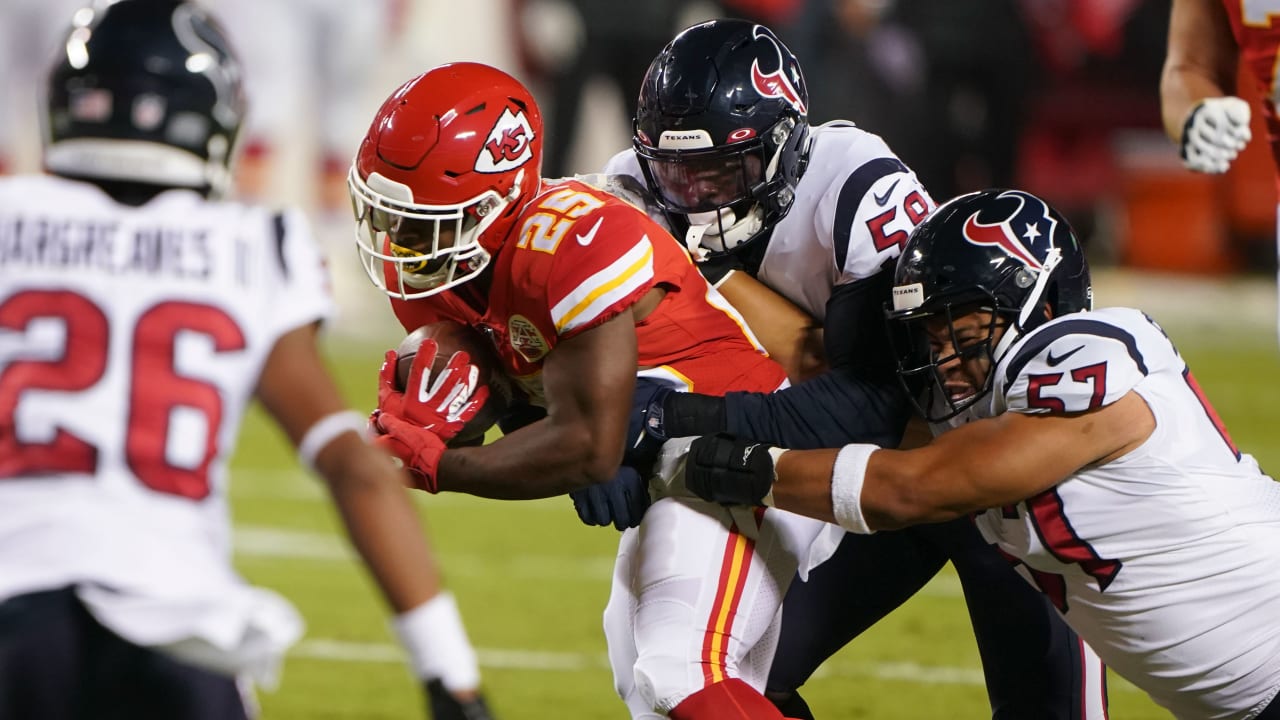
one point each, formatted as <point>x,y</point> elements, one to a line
<point>697,597</point>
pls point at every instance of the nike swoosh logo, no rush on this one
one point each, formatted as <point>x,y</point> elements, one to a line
<point>584,239</point>
<point>882,199</point>
<point>1055,361</point>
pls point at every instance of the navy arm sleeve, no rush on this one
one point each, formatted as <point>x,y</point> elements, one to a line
<point>856,335</point>
<point>833,409</point>
<point>858,400</point>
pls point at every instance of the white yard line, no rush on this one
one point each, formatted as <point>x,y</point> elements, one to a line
<point>250,483</point>
<point>255,541</point>
<point>270,542</point>
<point>542,661</point>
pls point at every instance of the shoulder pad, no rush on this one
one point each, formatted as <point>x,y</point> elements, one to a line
<point>1071,365</point>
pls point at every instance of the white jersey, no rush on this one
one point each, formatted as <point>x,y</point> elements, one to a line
<point>1163,560</point>
<point>855,205</point>
<point>131,340</point>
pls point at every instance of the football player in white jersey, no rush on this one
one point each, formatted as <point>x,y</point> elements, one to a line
<point>818,215</point>
<point>1091,456</point>
<point>138,316</point>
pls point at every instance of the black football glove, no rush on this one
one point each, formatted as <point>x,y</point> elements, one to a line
<point>621,501</point>
<point>659,413</point>
<point>648,434</point>
<point>727,469</point>
<point>624,498</point>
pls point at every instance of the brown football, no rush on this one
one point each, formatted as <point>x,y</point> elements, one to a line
<point>451,337</point>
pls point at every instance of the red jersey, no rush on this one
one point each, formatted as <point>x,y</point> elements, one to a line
<point>1256,26</point>
<point>579,256</point>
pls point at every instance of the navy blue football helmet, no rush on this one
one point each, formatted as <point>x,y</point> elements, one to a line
<point>722,133</point>
<point>1004,251</point>
<point>146,91</point>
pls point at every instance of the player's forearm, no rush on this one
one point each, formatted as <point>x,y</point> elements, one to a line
<point>804,483</point>
<point>984,464</point>
<point>792,337</point>
<point>543,459</point>
<point>905,488</point>
<point>1200,61</point>
<point>1181,89</point>
<point>380,521</point>
<point>811,482</point>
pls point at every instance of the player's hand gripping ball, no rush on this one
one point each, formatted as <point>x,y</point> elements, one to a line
<point>451,337</point>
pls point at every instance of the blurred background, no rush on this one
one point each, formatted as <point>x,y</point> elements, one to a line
<point>1055,96</point>
<point>1059,97</point>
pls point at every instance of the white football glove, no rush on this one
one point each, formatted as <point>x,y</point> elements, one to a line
<point>1215,132</point>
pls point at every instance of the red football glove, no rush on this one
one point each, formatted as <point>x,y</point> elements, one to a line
<point>443,404</point>
<point>418,450</point>
<point>414,425</point>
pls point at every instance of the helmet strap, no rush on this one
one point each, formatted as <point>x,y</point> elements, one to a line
<point>1033,303</point>
<point>1036,296</point>
<point>781,132</point>
<point>515,187</point>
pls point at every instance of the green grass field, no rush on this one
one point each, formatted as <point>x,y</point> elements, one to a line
<point>532,581</point>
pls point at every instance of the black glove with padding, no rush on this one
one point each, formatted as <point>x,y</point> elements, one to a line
<point>727,469</point>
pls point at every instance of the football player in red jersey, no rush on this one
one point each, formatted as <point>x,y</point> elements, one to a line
<point>1207,41</point>
<point>591,306</point>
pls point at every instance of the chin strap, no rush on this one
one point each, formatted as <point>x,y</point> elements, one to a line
<point>721,231</point>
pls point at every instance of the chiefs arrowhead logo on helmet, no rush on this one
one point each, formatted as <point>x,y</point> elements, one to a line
<point>508,145</point>
<point>774,84</point>
<point>1025,234</point>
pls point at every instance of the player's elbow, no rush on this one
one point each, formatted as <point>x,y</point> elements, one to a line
<point>1173,107</point>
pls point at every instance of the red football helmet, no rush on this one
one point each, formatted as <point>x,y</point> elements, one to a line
<point>448,162</point>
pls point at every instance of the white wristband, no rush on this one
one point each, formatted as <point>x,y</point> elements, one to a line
<point>326,430</point>
<point>846,487</point>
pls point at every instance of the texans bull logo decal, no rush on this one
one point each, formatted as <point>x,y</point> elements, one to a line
<point>774,84</point>
<point>1021,234</point>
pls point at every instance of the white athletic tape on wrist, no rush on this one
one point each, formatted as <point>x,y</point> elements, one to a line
<point>846,487</point>
<point>437,643</point>
<point>724,277</point>
<point>774,454</point>
<point>326,430</point>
